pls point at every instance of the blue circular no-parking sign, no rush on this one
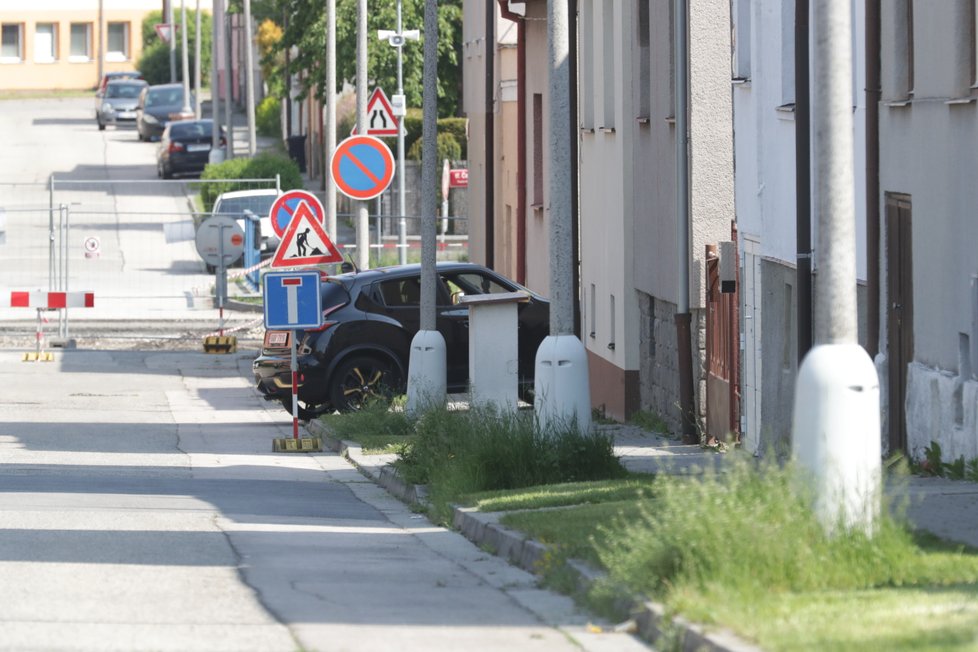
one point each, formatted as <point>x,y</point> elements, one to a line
<point>362,167</point>
<point>284,207</point>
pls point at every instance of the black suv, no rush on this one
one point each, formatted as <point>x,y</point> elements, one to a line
<point>369,320</point>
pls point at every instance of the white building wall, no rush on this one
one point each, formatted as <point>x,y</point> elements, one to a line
<point>929,150</point>
<point>764,134</point>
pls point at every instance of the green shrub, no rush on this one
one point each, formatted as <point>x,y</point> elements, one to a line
<point>263,166</point>
<point>268,117</point>
<point>448,148</point>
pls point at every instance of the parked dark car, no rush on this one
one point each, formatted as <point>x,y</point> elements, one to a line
<point>118,102</point>
<point>185,147</point>
<point>159,105</point>
<point>370,318</point>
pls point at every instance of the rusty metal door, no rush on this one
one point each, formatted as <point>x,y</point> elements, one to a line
<point>899,312</point>
<point>722,350</point>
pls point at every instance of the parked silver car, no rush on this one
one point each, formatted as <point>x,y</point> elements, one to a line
<point>117,103</point>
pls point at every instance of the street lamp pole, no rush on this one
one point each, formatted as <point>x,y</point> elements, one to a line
<point>186,64</point>
<point>397,38</point>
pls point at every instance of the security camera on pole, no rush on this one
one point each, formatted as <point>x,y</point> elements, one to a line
<point>836,429</point>
<point>427,386</point>
<point>561,386</point>
<point>397,39</point>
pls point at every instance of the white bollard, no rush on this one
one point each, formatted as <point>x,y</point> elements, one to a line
<point>836,434</point>
<point>427,385</point>
<point>561,386</point>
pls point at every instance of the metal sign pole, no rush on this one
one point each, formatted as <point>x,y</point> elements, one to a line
<point>295,385</point>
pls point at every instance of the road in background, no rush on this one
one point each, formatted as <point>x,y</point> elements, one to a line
<point>147,266</point>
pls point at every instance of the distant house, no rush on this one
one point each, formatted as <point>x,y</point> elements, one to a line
<point>624,143</point>
<point>54,44</point>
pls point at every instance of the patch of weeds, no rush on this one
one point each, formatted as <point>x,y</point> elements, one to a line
<point>376,427</point>
<point>562,494</point>
<point>463,452</point>
<point>934,465</point>
<point>650,421</point>
<point>600,417</point>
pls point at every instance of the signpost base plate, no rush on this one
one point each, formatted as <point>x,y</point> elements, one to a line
<point>301,445</point>
<point>220,344</point>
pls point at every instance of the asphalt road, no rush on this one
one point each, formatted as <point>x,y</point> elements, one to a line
<point>141,508</point>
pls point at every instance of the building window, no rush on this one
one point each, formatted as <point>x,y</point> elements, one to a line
<point>908,62</point>
<point>81,42</point>
<point>45,42</point>
<point>787,52</point>
<point>644,62</point>
<point>538,150</point>
<point>608,63</point>
<point>11,43</point>
<point>118,42</point>
<point>741,58</point>
<point>974,44</point>
<point>587,65</point>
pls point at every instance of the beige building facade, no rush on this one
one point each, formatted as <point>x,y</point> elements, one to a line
<point>54,44</point>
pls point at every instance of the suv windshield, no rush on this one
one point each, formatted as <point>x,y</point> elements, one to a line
<point>258,204</point>
<point>124,91</point>
<point>190,130</point>
<point>164,97</point>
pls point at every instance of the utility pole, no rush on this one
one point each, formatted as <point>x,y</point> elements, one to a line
<point>562,389</point>
<point>836,429</point>
<point>197,39</point>
<point>330,117</point>
<point>228,67</point>
<point>173,41</point>
<point>362,218</point>
<point>427,381</point>
<point>216,155</point>
<point>101,50</point>
<point>249,80</point>
<point>185,56</point>
<point>399,106</point>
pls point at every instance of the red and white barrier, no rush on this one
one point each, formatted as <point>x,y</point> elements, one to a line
<point>52,300</point>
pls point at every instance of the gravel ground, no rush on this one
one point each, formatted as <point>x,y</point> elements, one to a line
<point>127,336</point>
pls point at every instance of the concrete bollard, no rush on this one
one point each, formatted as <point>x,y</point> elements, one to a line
<point>427,385</point>
<point>836,434</point>
<point>561,385</point>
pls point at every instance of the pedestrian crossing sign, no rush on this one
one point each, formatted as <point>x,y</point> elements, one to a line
<point>305,242</point>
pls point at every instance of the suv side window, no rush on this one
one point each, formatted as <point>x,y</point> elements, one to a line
<point>401,292</point>
<point>465,283</point>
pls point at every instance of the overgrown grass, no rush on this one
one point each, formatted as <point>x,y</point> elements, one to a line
<point>736,548</point>
<point>580,532</point>
<point>744,550</point>
<point>462,452</point>
<point>561,495</point>
<point>376,427</point>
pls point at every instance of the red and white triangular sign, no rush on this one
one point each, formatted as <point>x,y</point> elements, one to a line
<point>305,242</point>
<point>381,120</point>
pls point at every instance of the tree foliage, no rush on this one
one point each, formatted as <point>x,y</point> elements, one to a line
<point>304,27</point>
<point>155,60</point>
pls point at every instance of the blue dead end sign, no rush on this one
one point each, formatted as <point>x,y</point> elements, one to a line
<point>292,300</point>
<point>362,167</point>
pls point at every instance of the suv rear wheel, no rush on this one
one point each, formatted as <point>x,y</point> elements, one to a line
<point>360,379</point>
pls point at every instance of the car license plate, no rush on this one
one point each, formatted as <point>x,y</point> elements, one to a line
<point>276,338</point>
<point>127,115</point>
<point>198,147</point>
